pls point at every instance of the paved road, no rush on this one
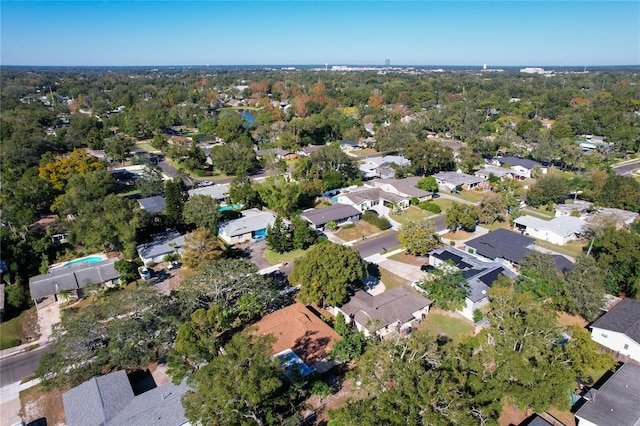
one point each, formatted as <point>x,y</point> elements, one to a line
<point>17,367</point>
<point>376,245</point>
<point>627,168</point>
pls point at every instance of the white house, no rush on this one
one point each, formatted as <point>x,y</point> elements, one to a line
<point>619,329</point>
<point>521,165</point>
<point>404,187</point>
<point>340,214</point>
<point>559,230</point>
<point>366,197</point>
<point>479,274</point>
<point>393,311</point>
<point>163,244</point>
<point>500,173</point>
<point>218,192</point>
<point>251,226</point>
<point>451,180</point>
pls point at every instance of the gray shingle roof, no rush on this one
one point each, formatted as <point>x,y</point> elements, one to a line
<point>623,318</point>
<point>375,312</point>
<point>616,402</point>
<point>515,161</point>
<point>109,400</point>
<point>564,226</point>
<point>252,220</point>
<point>167,242</point>
<point>217,192</point>
<point>368,194</point>
<point>502,243</point>
<point>153,204</point>
<point>406,186</point>
<point>455,178</point>
<point>336,212</point>
<point>72,278</point>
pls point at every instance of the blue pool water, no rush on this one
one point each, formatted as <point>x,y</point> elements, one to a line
<point>247,116</point>
<point>90,259</point>
<point>231,207</point>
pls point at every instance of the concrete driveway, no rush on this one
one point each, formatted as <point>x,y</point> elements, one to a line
<point>255,253</point>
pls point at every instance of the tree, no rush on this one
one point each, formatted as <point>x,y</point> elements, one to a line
<point>241,387</point>
<point>279,236</point>
<point>510,190</point>
<point>175,197</point>
<point>151,182</point>
<point>303,236</point>
<point>428,184</point>
<point>202,211</point>
<point>82,190</point>
<point>418,237</point>
<point>550,189</point>
<point>58,172</point>
<point>585,354</point>
<point>540,278</point>
<point>128,271</point>
<point>462,216</point>
<point>617,253</point>
<point>235,158</point>
<point>447,287</point>
<point>430,157</point>
<point>241,191</point>
<point>202,246</point>
<point>491,208</point>
<point>325,271</point>
<point>279,195</point>
<point>119,146</point>
<point>352,344</point>
<point>585,289</point>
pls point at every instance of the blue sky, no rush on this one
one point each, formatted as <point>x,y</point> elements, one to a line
<point>304,32</point>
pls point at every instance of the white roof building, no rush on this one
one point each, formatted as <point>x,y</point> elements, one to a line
<point>559,230</point>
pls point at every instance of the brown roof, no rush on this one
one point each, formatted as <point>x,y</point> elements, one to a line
<point>297,328</point>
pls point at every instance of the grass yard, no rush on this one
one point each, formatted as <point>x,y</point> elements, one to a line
<point>145,145</point>
<point>472,195</point>
<point>443,203</point>
<point>18,330</point>
<point>543,210</point>
<point>565,319</point>
<point>413,212</point>
<point>410,259</point>
<point>361,229</point>
<point>459,235</point>
<point>36,403</point>
<point>275,258</point>
<point>497,225</point>
<point>391,280</point>
<point>364,151</point>
<point>572,248</point>
<point>442,322</point>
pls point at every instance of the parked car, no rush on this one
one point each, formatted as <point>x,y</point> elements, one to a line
<point>427,268</point>
<point>144,272</point>
<point>174,265</point>
<point>258,238</point>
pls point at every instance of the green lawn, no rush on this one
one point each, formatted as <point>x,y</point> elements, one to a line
<point>362,228</point>
<point>573,248</point>
<point>544,210</point>
<point>443,203</point>
<point>454,328</point>
<point>413,212</point>
<point>391,280</point>
<point>275,258</point>
<point>472,195</point>
<point>497,225</point>
<point>11,332</point>
<point>146,146</point>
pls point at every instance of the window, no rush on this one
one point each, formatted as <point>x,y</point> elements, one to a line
<point>626,346</point>
<point>604,335</point>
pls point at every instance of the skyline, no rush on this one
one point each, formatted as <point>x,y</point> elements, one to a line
<point>456,33</point>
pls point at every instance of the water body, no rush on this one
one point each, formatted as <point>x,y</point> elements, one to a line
<point>247,116</point>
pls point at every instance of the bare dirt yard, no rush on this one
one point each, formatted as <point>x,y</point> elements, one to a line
<point>36,403</point>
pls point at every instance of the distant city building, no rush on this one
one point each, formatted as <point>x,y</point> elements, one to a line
<point>540,71</point>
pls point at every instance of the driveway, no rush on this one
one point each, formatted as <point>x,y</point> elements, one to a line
<point>255,253</point>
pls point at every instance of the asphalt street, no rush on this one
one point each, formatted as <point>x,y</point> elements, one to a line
<point>626,169</point>
<point>17,367</point>
<point>377,245</point>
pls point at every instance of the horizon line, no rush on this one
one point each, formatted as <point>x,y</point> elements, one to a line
<point>323,65</point>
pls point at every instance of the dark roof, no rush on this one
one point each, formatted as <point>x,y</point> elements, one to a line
<point>457,260</point>
<point>350,143</point>
<point>622,318</point>
<point>109,400</point>
<point>72,278</point>
<point>562,263</point>
<point>536,420</point>
<point>616,402</point>
<point>516,161</point>
<point>320,217</point>
<point>153,204</point>
<point>375,312</point>
<point>502,243</point>
<point>490,277</point>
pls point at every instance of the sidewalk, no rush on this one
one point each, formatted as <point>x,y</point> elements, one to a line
<point>47,317</point>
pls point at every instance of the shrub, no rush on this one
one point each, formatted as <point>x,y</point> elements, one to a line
<point>381,223</point>
<point>477,315</point>
<point>320,388</point>
<point>429,206</point>
<point>349,226</point>
<point>414,201</point>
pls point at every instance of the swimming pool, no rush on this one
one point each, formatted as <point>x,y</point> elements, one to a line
<point>90,259</point>
<point>231,207</point>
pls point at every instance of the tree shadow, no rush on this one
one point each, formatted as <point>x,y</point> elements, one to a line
<point>310,347</point>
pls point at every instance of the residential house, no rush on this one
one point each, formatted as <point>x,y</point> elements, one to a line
<point>253,224</point>
<point>298,329</point>
<point>391,312</point>
<point>479,274</point>
<point>619,329</point>
<point>577,209</point>
<point>452,180</point>
<point>308,150</point>
<point>616,403</point>
<point>162,244</point>
<point>403,187</point>
<point>339,214</point>
<point>74,277</point>
<point>521,165</point>
<point>500,173</point>
<point>218,192</point>
<point>110,401</point>
<point>585,210</point>
<point>153,205</point>
<point>350,145</point>
<point>382,166</point>
<point>559,230</point>
<point>367,197</point>
<point>501,246</point>
<point>280,154</point>
<point>591,142</point>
